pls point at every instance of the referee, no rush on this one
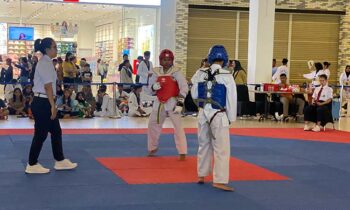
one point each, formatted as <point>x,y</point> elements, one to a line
<point>45,111</point>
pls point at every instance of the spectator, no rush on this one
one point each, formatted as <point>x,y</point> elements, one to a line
<point>126,75</point>
<point>326,70</point>
<point>239,74</point>
<point>17,103</point>
<point>66,106</point>
<point>60,70</point>
<point>102,69</point>
<point>59,90</point>
<point>83,107</point>
<point>25,70</point>
<point>318,112</point>
<point>32,72</point>
<point>281,70</point>
<point>2,75</point>
<point>69,69</point>
<point>274,67</point>
<point>287,98</point>
<point>344,80</point>
<point>107,109</point>
<point>145,68</point>
<point>89,97</point>
<point>86,75</point>
<point>28,96</point>
<point>9,89</point>
<point>139,60</point>
<point>125,57</point>
<point>4,112</point>
<point>122,99</point>
<point>9,71</point>
<point>135,106</point>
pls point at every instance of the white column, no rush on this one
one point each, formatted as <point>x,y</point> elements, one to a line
<point>260,43</point>
<point>167,24</point>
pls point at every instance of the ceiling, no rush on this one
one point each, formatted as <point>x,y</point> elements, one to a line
<point>34,11</point>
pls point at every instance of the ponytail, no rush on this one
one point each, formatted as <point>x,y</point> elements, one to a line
<point>43,44</point>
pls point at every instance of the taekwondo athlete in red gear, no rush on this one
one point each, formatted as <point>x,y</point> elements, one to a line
<point>170,86</point>
<point>214,90</point>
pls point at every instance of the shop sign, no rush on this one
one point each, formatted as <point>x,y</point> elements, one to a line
<point>64,30</point>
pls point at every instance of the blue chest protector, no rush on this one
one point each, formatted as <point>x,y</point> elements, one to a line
<point>217,93</point>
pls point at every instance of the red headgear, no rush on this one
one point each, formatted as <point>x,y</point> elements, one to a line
<point>166,54</point>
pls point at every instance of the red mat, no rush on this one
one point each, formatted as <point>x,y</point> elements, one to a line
<point>163,170</point>
<point>332,136</point>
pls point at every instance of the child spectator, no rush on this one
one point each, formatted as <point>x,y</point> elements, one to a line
<point>86,75</point>
<point>135,106</point>
<point>83,107</point>
<point>107,109</point>
<point>122,99</point>
<point>89,98</point>
<point>28,96</point>
<point>66,106</point>
<point>4,112</point>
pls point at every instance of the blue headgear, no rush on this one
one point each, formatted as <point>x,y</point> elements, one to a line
<point>218,52</point>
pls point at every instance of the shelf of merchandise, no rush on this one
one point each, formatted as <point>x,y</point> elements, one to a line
<point>20,48</point>
<point>104,42</point>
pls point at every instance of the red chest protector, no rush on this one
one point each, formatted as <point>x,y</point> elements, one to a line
<point>169,88</point>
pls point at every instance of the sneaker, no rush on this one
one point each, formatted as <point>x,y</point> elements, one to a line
<point>316,129</point>
<point>36,169</point>
<point>307,127</point>
<point>65,164</point>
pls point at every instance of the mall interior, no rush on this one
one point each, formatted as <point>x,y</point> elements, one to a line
<point>277,50</point>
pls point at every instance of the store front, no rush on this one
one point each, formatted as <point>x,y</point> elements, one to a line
<point>91,29</point>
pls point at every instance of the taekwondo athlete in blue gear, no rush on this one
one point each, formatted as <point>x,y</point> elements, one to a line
<point>215,91</point>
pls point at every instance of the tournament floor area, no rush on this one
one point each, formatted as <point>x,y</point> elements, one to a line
<point>287,169</point>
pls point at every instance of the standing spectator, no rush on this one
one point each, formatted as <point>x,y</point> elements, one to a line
<point>126,76</point>
<point>86,75</point>
<point>145,69</point>
<point>139,60</point>
<point>9,71</point>
<point>102,69</point>
<point>69,69</point>
<point>25,70</point>
<point>239,74</point>
<point>2,75</point>
<point>60,70</point>
<point>32,72</point>
<point>125,57</point>
<point>326,70</point>
<point>344,80</point>
<point>281,70</point>
<point>274,67</point>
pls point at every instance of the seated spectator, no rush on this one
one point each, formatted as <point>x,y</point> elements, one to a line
<point>59,90</point>
<point>288,98</point>
<point>28,95</point>
<point>107,108</point>
<point>135,106</point>
<point>318,112</point>
<point>71,89</point>
<point>66,106</point>
<point>4,112</point>
<point>17,103</point>
<point>99,97</point>
<point>122,99</point>
<point>89,98</point>
<point>83,107</point>
<point>9,88</point>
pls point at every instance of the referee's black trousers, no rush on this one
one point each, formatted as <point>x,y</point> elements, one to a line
<point>41,109</point>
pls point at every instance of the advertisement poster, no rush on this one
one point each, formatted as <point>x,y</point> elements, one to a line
<point>3,38</point>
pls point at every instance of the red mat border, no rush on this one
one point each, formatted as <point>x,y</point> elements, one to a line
<point>332,136</point>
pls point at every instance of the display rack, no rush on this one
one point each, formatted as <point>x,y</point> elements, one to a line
<point>20,48</point>
<point>104,42</point>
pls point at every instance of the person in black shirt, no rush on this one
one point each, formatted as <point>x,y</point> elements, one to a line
<point>86,75</point>
<point>9,71</point>
<point>25,70</point>
<point>125,57</point>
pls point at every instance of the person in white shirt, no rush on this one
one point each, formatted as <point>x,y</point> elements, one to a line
<point>214,89</point>
<point>274,67</point>
<point>170,86</point>
<point>45,111</point>
<point>314,75</point>
<point>326,70</point>
<point>122,98</point>
<point>107,108</point>
<point>281,70</point>
<point>344,80</point>
<point>144,72</point>
<point>136,108</point>
<point>318,112</point>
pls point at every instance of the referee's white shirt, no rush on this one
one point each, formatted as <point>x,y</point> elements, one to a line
<point>44,73</point>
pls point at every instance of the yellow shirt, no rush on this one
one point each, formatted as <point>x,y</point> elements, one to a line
<point>69,70</point>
